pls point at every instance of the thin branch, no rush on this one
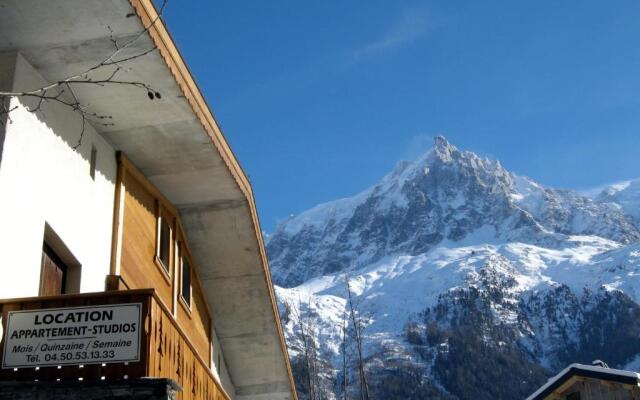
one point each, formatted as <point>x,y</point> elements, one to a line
<point>5,111</point>
<point>345,383</point>
<point>144,53</point>
<point>64,86</point>
<point>84,118</point>
<point>358,328</point>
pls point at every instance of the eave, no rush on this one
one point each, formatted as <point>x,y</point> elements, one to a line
<point>178,145</point>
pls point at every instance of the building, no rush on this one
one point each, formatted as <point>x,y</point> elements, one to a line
<point>590,382</point>
<point>131,245</point>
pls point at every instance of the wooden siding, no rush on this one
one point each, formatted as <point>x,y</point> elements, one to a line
<point>166,352</point>
<point>139,267</point>
<point>196,318</point>
<point>595,389</point>
<point>173,356</point>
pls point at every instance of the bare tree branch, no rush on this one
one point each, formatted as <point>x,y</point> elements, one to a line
<point>306,348</point>
<point>63,92</point>
<point>345,382</point>
<point>358,328</point>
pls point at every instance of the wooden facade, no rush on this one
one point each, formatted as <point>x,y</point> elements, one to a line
<point>136,263</point>
<point>597,389</point>
<point>177,335</point>
<point>166,350</point>
<point>590,382</point>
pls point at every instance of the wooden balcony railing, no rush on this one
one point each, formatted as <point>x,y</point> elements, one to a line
<point>165,350</point>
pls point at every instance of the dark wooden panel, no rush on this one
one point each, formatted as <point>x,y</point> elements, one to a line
<point>172,355</point>
<point>53,273</point>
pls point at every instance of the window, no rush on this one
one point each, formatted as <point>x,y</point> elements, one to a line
<point>164,244</point>
<point>185,287</point>
<point>60,271</point>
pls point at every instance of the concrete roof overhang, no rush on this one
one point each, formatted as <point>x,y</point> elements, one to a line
<point>176,142</point>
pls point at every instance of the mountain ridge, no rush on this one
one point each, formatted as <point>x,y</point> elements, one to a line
<point>445,195</point>
<point>625,195</point>
<point>471,282</point>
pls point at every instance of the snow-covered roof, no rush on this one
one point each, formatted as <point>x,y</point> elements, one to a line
<point>586,371</point>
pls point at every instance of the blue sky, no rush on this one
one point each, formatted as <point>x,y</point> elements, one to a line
<point>320,99</point>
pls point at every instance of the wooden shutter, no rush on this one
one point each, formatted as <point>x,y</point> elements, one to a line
<point>53,273</point>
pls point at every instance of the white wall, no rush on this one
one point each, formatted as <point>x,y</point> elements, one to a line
<point>43,180</point>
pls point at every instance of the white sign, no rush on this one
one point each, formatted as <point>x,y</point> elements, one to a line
<point>77,335</point>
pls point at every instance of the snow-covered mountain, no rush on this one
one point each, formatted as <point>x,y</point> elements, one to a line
<point>465,275</point>
<point>447,197</point>
<point>626,195</point>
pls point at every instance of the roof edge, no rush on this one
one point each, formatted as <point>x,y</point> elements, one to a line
<point>169,52</point>
<point>585,371</point>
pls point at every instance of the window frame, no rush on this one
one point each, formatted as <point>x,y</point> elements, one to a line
<point>182,257</point>
<point>164,216</point>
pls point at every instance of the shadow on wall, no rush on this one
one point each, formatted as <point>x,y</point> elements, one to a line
<point>16,74</point>
<point>3,126</point>
<point>7,66</point>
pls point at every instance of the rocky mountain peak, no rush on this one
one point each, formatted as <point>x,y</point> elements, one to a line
<point>445,196</point>
<point>443,149</point>
<point>463,267</point>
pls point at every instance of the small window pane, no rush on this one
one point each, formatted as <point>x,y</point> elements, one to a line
<point>92,162</point>
<point>165,243</point>
<point>186,281</point>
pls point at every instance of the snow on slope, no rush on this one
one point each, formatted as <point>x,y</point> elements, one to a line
<point>446,197</point>
<point>624,194</point>
<point>396,288</point>
<point>549,272</point>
